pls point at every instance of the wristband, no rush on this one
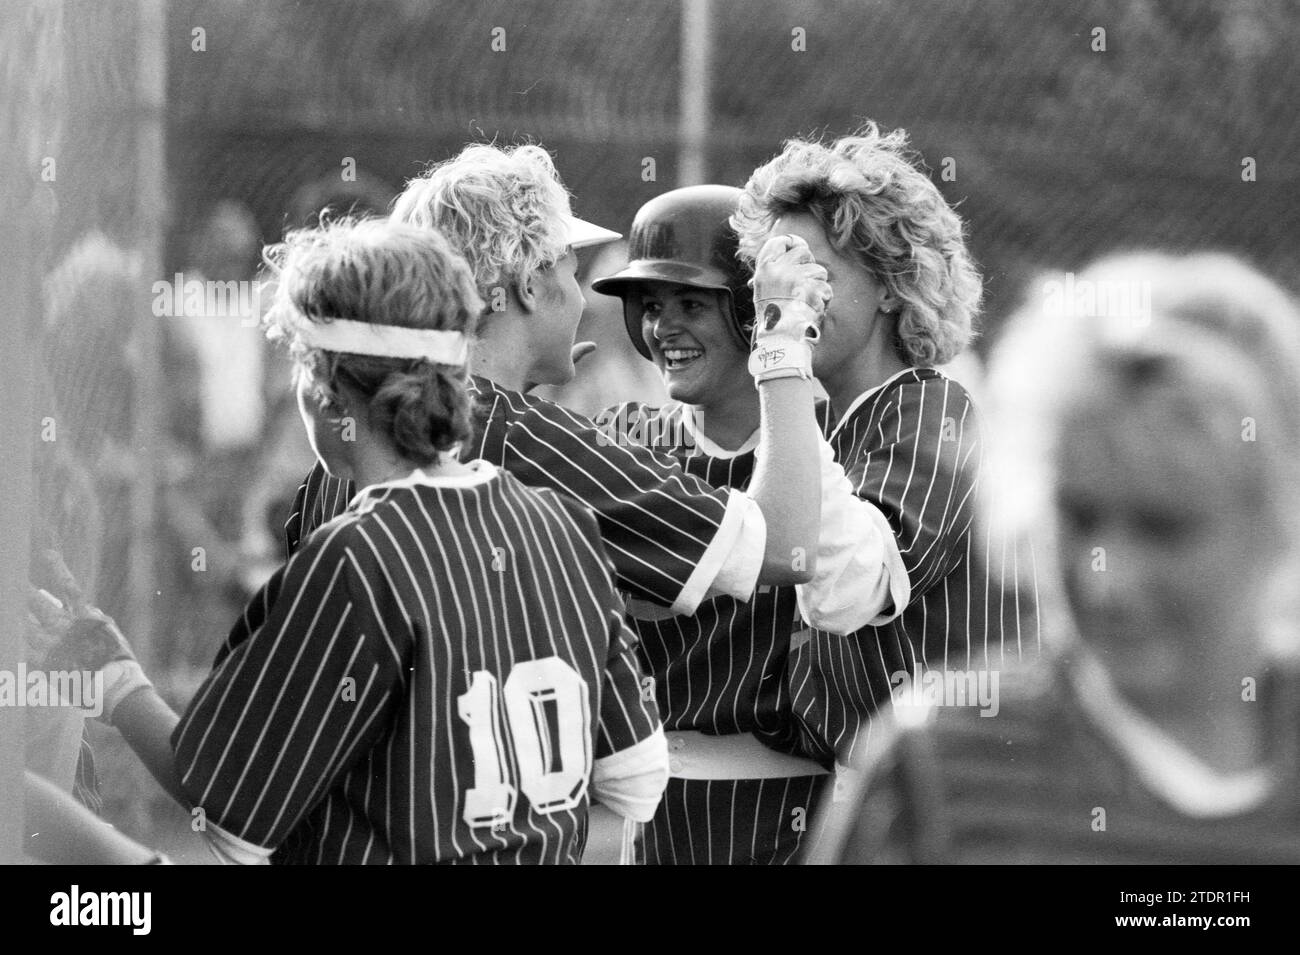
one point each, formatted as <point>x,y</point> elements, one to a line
<point>781,358</point>
<point>121,679</point>
<point>783,340</point>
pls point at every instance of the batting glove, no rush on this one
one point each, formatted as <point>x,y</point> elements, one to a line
<point>790,297</point>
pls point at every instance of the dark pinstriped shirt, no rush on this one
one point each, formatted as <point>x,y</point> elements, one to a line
<point>913,449</point>
<point>428,679</point>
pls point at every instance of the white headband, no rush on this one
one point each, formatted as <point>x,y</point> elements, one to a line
<point>383,341</point>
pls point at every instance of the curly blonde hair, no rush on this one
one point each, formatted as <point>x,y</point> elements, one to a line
<point>876,205</point>
<point>503,209</point>
<point>384,273</point>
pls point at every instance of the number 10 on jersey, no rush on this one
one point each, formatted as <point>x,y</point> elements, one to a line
<point>548,728</point>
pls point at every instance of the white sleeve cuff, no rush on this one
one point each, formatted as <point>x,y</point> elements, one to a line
<point>861,579</point>
<point>232,850</point>
<point>632,781</point>
<point>734,557</point>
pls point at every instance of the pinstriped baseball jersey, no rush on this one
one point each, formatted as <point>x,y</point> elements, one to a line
<point>732,822</point>
<point>656,522</point>
<point>913,449</point>
<point>721,670</point>
<point>427,680</point>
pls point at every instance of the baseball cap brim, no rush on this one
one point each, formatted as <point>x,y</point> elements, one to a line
<point>583,233</point>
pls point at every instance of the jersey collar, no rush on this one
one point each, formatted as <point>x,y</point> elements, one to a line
<point>1166,767</point>
<point>480,473</point>
<point>708,446</point>
<point>870,393</point>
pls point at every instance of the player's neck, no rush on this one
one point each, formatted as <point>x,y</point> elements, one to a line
<point>730,421</point>
<point>500,352</point>
<point>374,462</point>
<point>851,379</point>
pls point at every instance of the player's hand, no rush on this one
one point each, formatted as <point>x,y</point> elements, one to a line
<point>92,642</point>
<point>50,572</point>
<point>790,297</point>
<point>96,644</point>
<point>85,638</point>
<point>53,606</point>
<point>48,621</point>
<point>786,271</point>
<point>89,640</point>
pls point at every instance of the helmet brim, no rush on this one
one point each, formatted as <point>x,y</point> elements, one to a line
<point>660,270</point>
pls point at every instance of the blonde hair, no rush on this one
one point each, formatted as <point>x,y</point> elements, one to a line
<point>384,273</point>
<point>503,209</point>
<point>877,206</point>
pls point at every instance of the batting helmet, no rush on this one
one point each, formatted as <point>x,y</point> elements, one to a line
<point>684,236</point>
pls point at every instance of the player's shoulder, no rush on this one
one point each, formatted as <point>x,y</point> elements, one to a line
<point>923,398</point>
<point>334,536</point>
<point>666,428</point>
<point>552,503</point>
<point>916,384</point>
<point>640,409</point>
<point>335,544</point>
<point>321,494</point>
<point>573,524</point>
<point>517,407</point>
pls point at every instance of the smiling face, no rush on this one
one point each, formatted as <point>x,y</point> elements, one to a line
<point>688,333</point>
<point>853,314</point>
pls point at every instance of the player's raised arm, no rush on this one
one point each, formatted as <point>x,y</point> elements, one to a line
<point>790,293</point>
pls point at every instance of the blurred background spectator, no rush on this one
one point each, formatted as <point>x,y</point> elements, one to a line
<point>1156,457</point>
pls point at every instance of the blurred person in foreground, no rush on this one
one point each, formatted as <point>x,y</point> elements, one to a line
<point>1158,449</point>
